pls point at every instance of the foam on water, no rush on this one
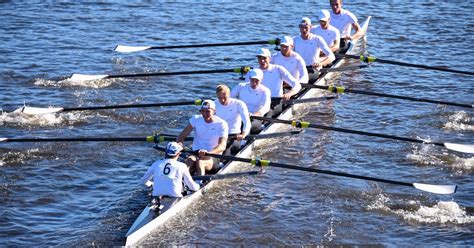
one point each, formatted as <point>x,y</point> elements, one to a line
<point>426,155</point>
<point>443,212</point>
<point>96,84</point>
<point>49,119</point>
<point>460,121</point>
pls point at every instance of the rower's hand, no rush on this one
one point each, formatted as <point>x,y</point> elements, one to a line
<point>286,97</point>
<point>348,38</point>
<point>202,153</point>
<point>239,137</point>
<point>317,66</point>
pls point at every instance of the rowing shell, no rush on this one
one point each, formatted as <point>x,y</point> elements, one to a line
<point>149,220</point>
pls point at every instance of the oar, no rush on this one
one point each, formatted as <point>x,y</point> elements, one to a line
<point>155,138</point>
<point>129,49</point>
<point>370,59</point>
<point>227,176</point>
<point>342,68</point>
<point>436,189</point>
<point>37,111</point>
<point>302,124</point>
<point>340,89</point>
<point>84,77</point>
<point>171,137</point>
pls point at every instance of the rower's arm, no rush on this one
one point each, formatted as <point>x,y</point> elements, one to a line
<point>292,81</point>
<point>244,115</point>
<point>185,133</point>
<point>337,43</point>
<point>220,148</point>
<point>188,180</point>
<point>329,58</point>
<point>358,31</point>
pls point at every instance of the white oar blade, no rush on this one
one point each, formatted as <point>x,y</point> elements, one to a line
<point>38,111</point>
<point>85,77</point>
<point>460,147</point>
<point>3,139</point>
<point>130,49</point>
<point>436,189</point>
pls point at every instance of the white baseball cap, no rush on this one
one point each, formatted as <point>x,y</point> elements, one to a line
<point>264,52</point>
<point>173,148</point>
<point>324,15</point>
<point>287,41</point>
<point>256,73</point>
<point>305,21</point>
<point>208,104</point>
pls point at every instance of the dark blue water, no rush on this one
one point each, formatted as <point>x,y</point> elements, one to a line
<point>87,194</point>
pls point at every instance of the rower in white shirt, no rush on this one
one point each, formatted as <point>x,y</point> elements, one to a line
<point>344,21</point>
<point>275,75</point>
<point>329,33</point>
<point>210,135</point>
<point>255,95</point>
<point>291,60</point>
<point>310,46</point>
<point>234,112</point>
<point>168,175</point>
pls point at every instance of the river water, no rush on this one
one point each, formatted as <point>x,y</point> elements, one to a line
<point>87,194</point>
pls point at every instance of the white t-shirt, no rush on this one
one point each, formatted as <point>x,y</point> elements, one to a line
<point>206,135</point>
<point>257,100</point>
<point>294,64</point>
<point>168,175</point>
<point>234,113</point>
<point>329,35</point>
<point>273,78</point>
<point>343,22</point>
<point>310,49</point>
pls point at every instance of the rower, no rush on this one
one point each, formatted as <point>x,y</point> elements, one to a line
<point>168,175</point>
<point>255,95</point>
<point>291,60</point>
<point>234,112</point>
<point>329,33</point>
<point>273,78</point>
<point>210,136</point>
<point>344,21</point>
<point>309,46</point>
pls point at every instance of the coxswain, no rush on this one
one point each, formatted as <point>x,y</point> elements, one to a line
<point>344,21</point>
<point>168,175</point>
<point>326,31</point>
<point>210,136</point>
<point>234,112</point>
<point>255,95</point>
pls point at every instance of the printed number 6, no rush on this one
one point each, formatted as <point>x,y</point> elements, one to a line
<point>167,169</point>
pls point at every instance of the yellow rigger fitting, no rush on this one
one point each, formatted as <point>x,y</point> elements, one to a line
<point>300,124</point>
<point>150,138</point>
<point>246,69</point>
<point>260,162</point>
<point>198,102</point>
<point>340,89</point>
<point>368,59</point>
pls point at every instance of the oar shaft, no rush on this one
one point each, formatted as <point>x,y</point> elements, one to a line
<point>337,129</point>
<point>216,44</point>
<point>83,139</point>
<point>435,68</point>
<point>132,106</point>
<point>328,172</point>
<point>340,89</point>
<point>157,74</point>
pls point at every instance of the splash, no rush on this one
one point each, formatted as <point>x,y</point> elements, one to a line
<point>47,119</point>
<point>444,212</point>
<point>459,121</point>
<point>426,156</point>
<point>97,84</point>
